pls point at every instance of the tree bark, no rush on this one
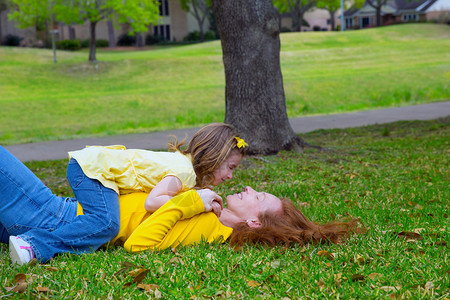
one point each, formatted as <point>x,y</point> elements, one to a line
<point>332,12</point>
<point>254,93</point>
<point>111,37</point>
<point>92,47</point>
<point>71,32</point>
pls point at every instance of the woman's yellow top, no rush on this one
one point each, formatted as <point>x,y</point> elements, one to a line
<point>134,170</point>
<point>181,221</point>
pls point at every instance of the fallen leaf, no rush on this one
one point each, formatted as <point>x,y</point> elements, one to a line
<point>419,230</point>
<point>337,279</point>
<point>357,277</point>
<point>138,274</point>
<point>19,278</point>
<point>158,294</point>
<point>321,284</point>
<point>409,235</point>
<point>53,269</point>
<point>375,276</point>
<point>176,260</point>
<point>275,264</point>
<point>45,290</point>
<point>20,287</point>
<point>253,283</point>
<point>440,243</point>
<point>390,288</point>
<point>429,285</point>
<point>148,287</point>
<point>359,259</point>
<point>326,254</point>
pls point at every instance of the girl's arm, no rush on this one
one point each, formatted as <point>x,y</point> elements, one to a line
<point>163,192</point>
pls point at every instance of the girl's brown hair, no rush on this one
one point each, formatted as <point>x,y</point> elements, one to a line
<point>209,148</point>
<point>291,227</point>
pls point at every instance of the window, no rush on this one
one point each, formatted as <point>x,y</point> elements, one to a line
<point>163,7</point>
<point>409,17</point>
<point>348,22</point>
<point>162,31</point>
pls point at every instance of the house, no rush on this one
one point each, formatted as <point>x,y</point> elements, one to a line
<point>315,18</point>
<point>175,24</point>
<point>398,11</point>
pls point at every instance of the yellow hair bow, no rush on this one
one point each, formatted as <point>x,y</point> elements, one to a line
<point>240,142</point>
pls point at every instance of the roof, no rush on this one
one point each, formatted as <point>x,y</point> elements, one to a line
<point>397,6</point>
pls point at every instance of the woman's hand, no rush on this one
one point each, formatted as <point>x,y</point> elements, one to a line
<point>211,201</point>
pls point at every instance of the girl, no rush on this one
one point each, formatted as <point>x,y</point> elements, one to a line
<point>97,176</point>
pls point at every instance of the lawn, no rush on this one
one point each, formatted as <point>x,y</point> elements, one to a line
<point>393,177</point>
<point>183,86</point>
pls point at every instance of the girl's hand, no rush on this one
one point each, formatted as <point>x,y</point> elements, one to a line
<point>211,201</point>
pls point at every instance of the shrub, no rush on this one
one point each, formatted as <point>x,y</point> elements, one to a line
<point>12,40</point>
<point>126,40</point>
<point>70,45</point>
<point>84,43</point>
<point>210,35</point>
<point>316,28</point>
<point>285,29</point>
<point>193,36</point>
<point>101,43</point>
<point>153,39</point>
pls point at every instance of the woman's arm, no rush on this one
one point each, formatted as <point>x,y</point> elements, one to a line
<point>163,192</point>
<point>151,232</point>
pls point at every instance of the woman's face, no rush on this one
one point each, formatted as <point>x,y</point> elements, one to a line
<point>225,170</point>
<point>250,204</point>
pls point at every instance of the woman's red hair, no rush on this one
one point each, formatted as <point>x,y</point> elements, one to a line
<point>291,227</point>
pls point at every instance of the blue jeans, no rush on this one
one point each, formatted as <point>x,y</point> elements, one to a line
<point>48,222</point>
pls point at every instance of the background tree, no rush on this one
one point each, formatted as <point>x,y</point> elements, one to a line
<point>254,94</point>
<point>297,8</point>
<point>377,4</point>
<point>138,13</point>
<point>4,5</point>
<point>200,10</point>
<point>332,6</point>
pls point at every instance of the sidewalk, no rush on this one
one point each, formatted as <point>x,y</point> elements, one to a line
<point>158,140</point>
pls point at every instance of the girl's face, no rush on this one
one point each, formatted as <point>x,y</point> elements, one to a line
<point>225,170</point>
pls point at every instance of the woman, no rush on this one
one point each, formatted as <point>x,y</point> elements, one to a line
<point>250,217</point>
<point>97,176</point>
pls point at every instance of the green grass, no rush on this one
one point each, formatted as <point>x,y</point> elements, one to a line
<point>183,86</point>
<point>393,177</point>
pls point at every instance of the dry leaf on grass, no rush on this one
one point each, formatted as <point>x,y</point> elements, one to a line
<point>326,254</point>
<point>375,276</point>
<point>253,283</point>
<point>358,277</point>
<point>148,287</point>
<point>390,288</point>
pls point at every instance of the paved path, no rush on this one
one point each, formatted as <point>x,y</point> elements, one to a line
<point>158,140</point>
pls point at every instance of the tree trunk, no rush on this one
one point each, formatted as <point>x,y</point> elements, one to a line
<point>378,16</point>
<point>1,33</point>
<point>111,37</point>
<point>140,40</point>
<point>61,30</point>
<point>92,48</point>
<point>254,94</point>
<point>332,12</point>
<point>71,32</point>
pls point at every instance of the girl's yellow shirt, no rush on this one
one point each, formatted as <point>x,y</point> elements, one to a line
<point>181,221</point>
<point>134,170</point>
